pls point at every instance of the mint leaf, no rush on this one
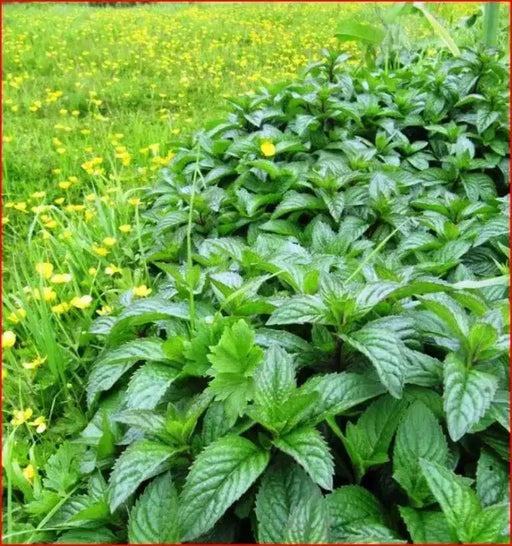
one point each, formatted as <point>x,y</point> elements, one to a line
<point>154,518</point>
<point>468,393</point>
<point>427,526</point>
<point>219,476</point>
<point>491,480</point>
<point>112,364</point>
<point>282,489</point>
<point>351,509</point>
<point>149,384</point>
<point>384,349</point>
<point>337,393</point>
<point>139,462</point>
<point>367,441</point>
<point>458,501</point>
<point>298,310</point>
<point>310,450</point>
<point>419,436</point>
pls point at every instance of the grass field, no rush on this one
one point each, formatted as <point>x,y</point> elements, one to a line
<point>95,102</point>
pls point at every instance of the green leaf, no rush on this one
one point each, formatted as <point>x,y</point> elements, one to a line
<point>352,508</point>
<point>338,392</point>
<point>115,362</point>
<point>282,489</point>
<point>309,521</point>
<point>490,524</point>
<point>468,393</point>
<point>275,379</point>
<point>449,311</point>
<point>62,468</point>
<point>427,526</point>
<point>491,480</point>
<point>419,436</point>
<point>293,201</point>
<point>154,518</point>
<point>367,34</point>
<point>274,387</point>
<point>220,475</point>
<point>152,309</point>
<point>367,442</point>
<point>139,462</point>
<point>298,310</point>
<point>148,385</point>
<point>384,349</point>
<point>441,32</point>
<point>309,449</point>
<point>457,500</point>
<point>102,535</point>
<point>233,361</point>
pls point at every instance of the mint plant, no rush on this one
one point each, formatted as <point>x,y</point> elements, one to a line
<point>326,355</point>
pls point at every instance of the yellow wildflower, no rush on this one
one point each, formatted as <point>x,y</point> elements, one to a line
<point>81,302</point>
<point>20,416</point>
<point>29,473</point>
<point>34,364</point>
<point>92,271</point>
<point>61,278</point>
<point>61,308</point>
<point>267,148</point>
<point>8,339</point>
<point>142,291</point>
<point>100,250</point>
<point>125,228</point>
<point>45,269</point>
<point>109,241</point>
<point>135,201</point>
<point>39,423</point>
<point>16,315</point>
<point>112,269</point>
<point>105,310</point>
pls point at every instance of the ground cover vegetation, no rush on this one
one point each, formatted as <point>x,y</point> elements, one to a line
<point>303,326</point>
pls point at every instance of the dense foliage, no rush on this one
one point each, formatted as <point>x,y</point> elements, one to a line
<point>326,356</point>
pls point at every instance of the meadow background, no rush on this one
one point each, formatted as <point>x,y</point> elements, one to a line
<point>95,103</point>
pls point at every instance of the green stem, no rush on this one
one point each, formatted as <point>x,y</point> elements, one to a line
<point>51,513</point>
<point>491,20</point>
<point>192,310</point>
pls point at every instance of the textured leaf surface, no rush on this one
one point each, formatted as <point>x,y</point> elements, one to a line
<point>352,507</point>
<point>154,518</point>
<point>457,500</point>
<point>148,384</point>
<point>383,349</point>
<point>138,463</point>
<point>115,362</point>
<point>419,436</point>
<point>427,526</point>
<point>368,440</point>
<point>220,475</point>
<point>298,310</point>
<point>468,393</point>
<point>282,489</point>
<point>311,451</point>
<point>491,480</point>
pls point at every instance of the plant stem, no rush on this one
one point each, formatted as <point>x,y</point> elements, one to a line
<point>491,24</point>
<point>192,310</point>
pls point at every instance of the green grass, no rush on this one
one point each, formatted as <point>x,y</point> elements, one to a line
<point>95,102</point>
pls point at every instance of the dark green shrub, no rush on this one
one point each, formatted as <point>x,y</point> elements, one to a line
<point>325,358</point>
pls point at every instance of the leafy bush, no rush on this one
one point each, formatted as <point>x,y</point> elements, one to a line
<point>325,355</point>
